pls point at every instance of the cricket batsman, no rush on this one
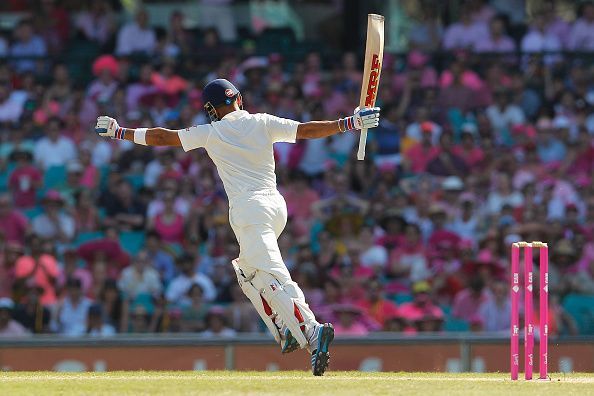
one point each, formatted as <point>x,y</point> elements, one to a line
<point>240,145</point>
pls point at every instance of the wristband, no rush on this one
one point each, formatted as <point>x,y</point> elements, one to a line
<point>140,136</point>
<point>346,124</point>
<point>119,133</point>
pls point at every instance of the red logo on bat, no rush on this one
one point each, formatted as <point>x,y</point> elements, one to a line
<point>373,81</point>
<point>229,93</point>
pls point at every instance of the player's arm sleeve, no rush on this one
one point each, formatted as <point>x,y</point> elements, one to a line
<point>281,129</point>
<point>194,137</point>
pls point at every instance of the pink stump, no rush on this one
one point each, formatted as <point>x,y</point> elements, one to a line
<point>515,315</point>
<point>544,311</point>
<point>528,314</point>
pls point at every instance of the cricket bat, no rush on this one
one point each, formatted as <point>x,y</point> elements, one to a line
<point>374,56</point>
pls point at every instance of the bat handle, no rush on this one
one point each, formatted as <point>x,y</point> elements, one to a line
<point>362,141</point>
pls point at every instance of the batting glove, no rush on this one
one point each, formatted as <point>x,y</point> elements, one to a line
<point>365,118</point>
<point>107,126</point>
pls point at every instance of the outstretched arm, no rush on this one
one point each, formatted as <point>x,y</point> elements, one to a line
<point>107,126</point>
<point>364,118</point>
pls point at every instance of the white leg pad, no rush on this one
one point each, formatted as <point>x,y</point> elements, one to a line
<point>256,298</point>
<point>285,306</point>
<point>296,293</point>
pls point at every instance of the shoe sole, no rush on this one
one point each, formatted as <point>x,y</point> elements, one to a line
<point>291,344</point>
<point>321,358</point>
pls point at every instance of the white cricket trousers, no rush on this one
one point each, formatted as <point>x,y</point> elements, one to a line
<point>258,218</point>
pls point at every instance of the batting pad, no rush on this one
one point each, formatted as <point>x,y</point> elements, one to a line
<point>256,298</point>
<point>282,303</point>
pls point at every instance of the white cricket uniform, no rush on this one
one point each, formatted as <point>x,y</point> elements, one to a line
<point>240,145</point>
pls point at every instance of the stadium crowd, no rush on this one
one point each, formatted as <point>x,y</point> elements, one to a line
<point>480,145</point>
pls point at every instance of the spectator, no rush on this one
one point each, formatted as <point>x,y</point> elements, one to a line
<point>11,104</point>
<point>140,278</point>
<point>188,275</point>
<point>581,37</point>
<point>136,37</point>
<point>54,149</point>
<point>504,115</point>
<point>169,224</point>
<point>38,269</point>
<point>15,226</point>
<point>217,324</point>
<point>96,326</point>
<point>446,163</point>
<point>468,302</point>
<point>96,24</point>
<point>114,308</point>
<point>54,223</point>
<point>551,149</point>
<point>10,254</point>
<point>376,306</point>
<point>71,270</point>
<point>496,312</point>
<point>219,14</point>
<point>426,32</point>
<point>539,40</point>
<point>194,310</point>
<point>72,312</point>
<point>465,33</point>
<point>31,313</point>
<point>9,328</point>
<point>349,321</point>
<point>27,44</point>
<point>124,210</point>
<point>497,40</point>
<point>162,260</point>
<point>25,180</point>
<point>421,314</point>
<point>240,312</point>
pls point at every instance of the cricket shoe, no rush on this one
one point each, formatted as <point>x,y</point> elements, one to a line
<point>290,343</point>
<point>320,356</point>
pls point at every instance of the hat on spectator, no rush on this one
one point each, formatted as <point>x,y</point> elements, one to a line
<point>74,167</point>
<point>427,127</point>
<point>421,287</point>
<point>6,303</point>
<point>561,122</point>
<point>106,62</point>
<point>53,196</point>
<point>452,183</point>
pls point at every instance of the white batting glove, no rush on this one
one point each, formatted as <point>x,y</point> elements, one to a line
<point>365,118</point>
<point>107,126</point>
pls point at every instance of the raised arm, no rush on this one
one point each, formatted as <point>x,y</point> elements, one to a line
<point>107,126</point>
<point>364,118</point>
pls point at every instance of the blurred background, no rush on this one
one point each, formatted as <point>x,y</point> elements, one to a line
<point>486,139</point>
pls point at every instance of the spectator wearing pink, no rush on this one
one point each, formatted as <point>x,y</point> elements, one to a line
<point>90,174</point>
<point>468,149</point>
<point>459,74</point>
<point>349,320</point>
<point>169,224</point>
<point>300,197</point>
<point>39,269</point>
<point>456,91</point>
<point>102,89</point>
<point>581,37</point>
<point>421,314</point>
<point>408,261</point>
<point>25,180</point>
<point>138,94</point>
<point>418,70</point>
<point>167,82</point>
<point>86,214</point>
<point>137,36</point>
<point>421,153</point>
<point>468,302</point>
<point>8,326</point>
<point>376,307</point>
<point>72,270</point>
<point>497,40</point>
<point>14,225</point>
<point>465,33</point>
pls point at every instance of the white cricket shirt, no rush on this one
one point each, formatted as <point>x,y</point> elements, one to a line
<point>240,145</point>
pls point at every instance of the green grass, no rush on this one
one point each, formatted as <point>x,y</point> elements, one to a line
<point>217,383</point>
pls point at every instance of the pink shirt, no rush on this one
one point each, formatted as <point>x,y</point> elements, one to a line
<point>23,184</point>
<point>472,157</point>
<point>14,227</point>
<point>41,275</point>
<point>466,306</point>
<point>419,157</point>
<point>357,329</point>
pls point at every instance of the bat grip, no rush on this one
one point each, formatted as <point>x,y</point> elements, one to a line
<point>362,141</point>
